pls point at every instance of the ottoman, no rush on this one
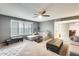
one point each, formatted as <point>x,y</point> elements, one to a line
<point>54,45</point>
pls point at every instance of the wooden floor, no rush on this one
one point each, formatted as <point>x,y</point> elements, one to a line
<point>74,50</point>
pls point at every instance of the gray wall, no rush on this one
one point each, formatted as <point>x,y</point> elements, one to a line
<point>4,28</point>
<point>47,26</point>
<point>35,27</point>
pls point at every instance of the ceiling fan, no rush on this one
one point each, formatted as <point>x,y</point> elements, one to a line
<point>40,14</point>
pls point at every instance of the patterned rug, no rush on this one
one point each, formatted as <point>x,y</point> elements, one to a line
<point>12,50</point>
<point>26,48</point>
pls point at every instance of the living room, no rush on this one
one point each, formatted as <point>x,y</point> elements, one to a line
<point>35,26</point>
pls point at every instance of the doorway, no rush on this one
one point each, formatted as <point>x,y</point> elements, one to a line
<point>68,29</point>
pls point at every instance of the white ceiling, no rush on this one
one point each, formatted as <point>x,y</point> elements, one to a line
<point>27,10</point>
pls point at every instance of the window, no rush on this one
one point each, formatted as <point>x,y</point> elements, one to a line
<point>28,27</point>
<point>14,28</point>
<point>21,27</point>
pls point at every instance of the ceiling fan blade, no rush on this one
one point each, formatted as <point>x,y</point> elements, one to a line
<point>35,16</point>
<point>43,12</point>
<point>46,15</point>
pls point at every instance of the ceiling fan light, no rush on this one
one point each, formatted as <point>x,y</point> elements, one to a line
<point>40,16</point>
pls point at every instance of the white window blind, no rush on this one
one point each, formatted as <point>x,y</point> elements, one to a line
<point>21,27</point>
<point>14,28</point>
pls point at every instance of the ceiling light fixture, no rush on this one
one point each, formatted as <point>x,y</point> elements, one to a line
<point>40,16</point>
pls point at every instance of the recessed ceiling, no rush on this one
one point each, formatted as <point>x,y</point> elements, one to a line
<point>27,10</point>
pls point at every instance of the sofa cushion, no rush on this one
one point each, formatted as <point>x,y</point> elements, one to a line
<point>75,38</point>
